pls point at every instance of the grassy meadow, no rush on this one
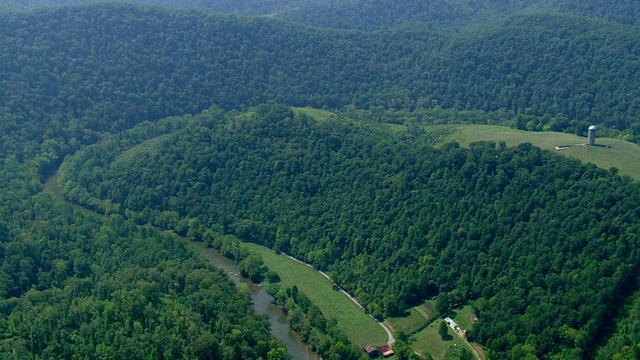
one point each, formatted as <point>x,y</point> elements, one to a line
<point>609,153</point>
<point>359,327</point>
<point>412,322</point>
<point>429,341</point>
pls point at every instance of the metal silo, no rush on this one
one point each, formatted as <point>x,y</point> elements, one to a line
<point>591,139</point>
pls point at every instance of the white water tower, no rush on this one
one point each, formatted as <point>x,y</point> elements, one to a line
<point>591,139</point>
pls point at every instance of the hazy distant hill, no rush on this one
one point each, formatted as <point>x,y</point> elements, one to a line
<point>371,15</point>
<point>381,14</point>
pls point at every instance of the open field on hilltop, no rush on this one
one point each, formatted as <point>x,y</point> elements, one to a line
<point>359,327</point>
<point>612,153</point>
<point>317,114</point>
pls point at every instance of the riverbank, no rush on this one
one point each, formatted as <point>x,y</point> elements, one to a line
<point>360,328</point>
<point>263,304</point>
<point>391,339</point>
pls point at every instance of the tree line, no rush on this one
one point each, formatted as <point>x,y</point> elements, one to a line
<point>77,285</point>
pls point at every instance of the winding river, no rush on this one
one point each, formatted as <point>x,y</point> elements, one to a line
<point>262,302</point>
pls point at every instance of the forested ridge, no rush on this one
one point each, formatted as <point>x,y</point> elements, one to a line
<point>544,247</point>
<point>384,14</point>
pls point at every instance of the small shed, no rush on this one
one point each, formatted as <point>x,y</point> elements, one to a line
<point>386,350</point>
<point>371,350</point>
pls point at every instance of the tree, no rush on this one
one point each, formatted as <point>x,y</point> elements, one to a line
<point>279,353</point>
<point>442,304</point>
<point>253,268</point>
<point>443,330</point>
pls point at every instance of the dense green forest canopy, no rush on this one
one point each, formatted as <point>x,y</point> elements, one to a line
<point>545,247</point>
<point>74,285</point>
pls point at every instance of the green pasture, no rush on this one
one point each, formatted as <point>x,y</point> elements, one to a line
<point>410,323</point>
<point>607,154</point>
<point>464,317</point>
<point>429,341</point>
<point>427,338</point>
<point>317,114</point>
<point>359,327</point>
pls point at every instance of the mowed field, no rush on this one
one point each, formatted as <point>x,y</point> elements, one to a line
<point>429,341</point>
<point>359,327</point>
<point>607,153</point>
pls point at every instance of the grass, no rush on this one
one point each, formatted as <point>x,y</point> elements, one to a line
<point>395,128</point>
<point>426,339</point>
<point>317,114</point>
<point>429,308</point>
<point>429,341</point>
<point>409,324</point>
<point>623,155</point>
<point>360,328</point>
<point>464,317</point>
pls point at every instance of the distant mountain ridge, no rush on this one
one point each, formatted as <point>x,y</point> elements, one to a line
<point>383,14</point>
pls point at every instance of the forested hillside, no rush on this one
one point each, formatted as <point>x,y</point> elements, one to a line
<point>376,15</point>
<point>543,246</point>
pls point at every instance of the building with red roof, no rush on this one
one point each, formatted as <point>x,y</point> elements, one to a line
<point>371,350</point>
<point>386,350</point>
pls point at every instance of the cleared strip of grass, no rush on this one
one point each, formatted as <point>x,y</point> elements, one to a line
<point>409,324</point>
<point>428,308</point>
<point>317,114</point>
<point>613,153</point>
<point>360,328</point>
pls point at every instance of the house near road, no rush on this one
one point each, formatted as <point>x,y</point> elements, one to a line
<point>374,351</point>
<point>452,324</point>
<point>386,350</point>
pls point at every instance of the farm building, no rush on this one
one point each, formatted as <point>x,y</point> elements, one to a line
<point>452,324</point>
<point>386,350</point>
<point>371,350</point>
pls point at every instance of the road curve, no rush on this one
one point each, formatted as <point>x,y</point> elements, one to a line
<point>391,339</point>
